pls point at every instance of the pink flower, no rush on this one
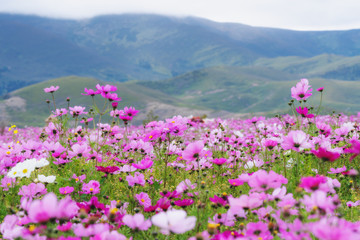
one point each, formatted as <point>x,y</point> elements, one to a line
<point>93,187</point>
<point>296,140</point>
<point>144,199</point>
<point>254,200</point>
<point>337,170</point>
<point>51,89</point>
<point>185,185</point>
<point>259,230</point>
<point>66,190</point>
<point>33,190</point>
<point>10,229</point>
<point>78,179</point>
<point>77,110</point>
<point>48,208</point>
<point>262,180</point>
<point>320,89</point>
<point>7,182</point>
<point>137,222</point>
<point>137,179</point>
<point>143,164</point>
<point>301,91</point>
<point>174,221</point>
<point>193,151</point>
<point>105,89</point>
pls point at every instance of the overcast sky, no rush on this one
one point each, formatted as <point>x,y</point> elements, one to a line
<point>290,14</point>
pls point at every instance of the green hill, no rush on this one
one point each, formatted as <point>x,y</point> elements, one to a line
<point>27,106</point>
<point>254,89</point>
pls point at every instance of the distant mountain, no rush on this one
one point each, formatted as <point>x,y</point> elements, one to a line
<point>127,47</point>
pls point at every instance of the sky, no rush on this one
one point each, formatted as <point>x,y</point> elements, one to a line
<point>288,14</point>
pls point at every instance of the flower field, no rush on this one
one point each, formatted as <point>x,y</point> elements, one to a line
<point>288,177</point>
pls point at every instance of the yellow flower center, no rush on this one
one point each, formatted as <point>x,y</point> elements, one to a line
<point>76,179</point>
<point>65,192</point>
<point>142,200</point>
<point>113,210</point>
<point>15,173</point>
<point>25,171</point>
<point>8,152</point>
<point>32,228</point>
<point>8,184</point>
<point>150,136</point>
<point>91,189</point>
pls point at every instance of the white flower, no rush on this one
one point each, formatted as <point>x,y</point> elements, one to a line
<point>22,169</point>
<point>41,163</point>
<point>174,221</point>
<point>48,179</point>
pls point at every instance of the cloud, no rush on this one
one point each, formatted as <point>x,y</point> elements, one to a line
<point>302,15</point>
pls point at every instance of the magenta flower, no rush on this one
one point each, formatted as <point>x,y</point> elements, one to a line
<point>218,200</point>
<point>193,151</point>
<point>184,202</point>
<point>304,112</point>
<point>51,89</point>
<point>143,199</point>
<point>354,149</point>
<point>320,89</point>
<point>235,182</point>
<point>301,91</point>
<point>219,161</point>
<point>137,222</point>
<point>66,190</point>
<point>90,92</point>
<point>296,140</point>
<point>108,169</point>
<point>325,155</point>
<point>93,187</point>
<point>269,143</point>
<point>312,183</point>
<point>174,221</point>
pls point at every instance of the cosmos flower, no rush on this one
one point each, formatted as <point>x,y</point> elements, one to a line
<point>51,89</point>
<point>302,90</point>
<point>174,221</point>
<point>137,222</point>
